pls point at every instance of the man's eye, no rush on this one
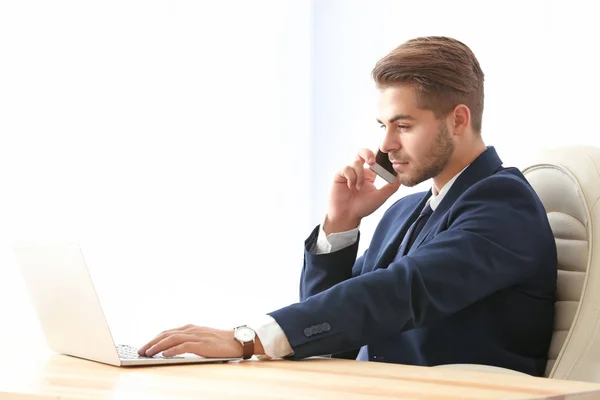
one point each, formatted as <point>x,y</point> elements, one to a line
<point>403,126</point>
<point>382,126</point>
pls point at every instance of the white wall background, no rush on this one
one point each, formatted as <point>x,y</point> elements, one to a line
<point>171,140</point>
<point>189,145</point>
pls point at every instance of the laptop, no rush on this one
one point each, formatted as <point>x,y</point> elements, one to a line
<point>69,310</point>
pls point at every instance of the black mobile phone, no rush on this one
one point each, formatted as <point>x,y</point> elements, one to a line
<point>384,168</point>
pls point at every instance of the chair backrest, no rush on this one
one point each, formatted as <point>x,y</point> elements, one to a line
<point>567,180</point>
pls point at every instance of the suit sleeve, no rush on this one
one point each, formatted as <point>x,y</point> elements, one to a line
<point>334,241</point>
<point>492,241</point>
<point>322,271</point>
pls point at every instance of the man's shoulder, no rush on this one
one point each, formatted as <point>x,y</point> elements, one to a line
<point>506,189</point>
<point>505,179</point>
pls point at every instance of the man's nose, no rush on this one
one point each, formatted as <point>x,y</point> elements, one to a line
<point>390,143</point>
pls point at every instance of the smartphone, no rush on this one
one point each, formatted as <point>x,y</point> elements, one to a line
<point>384,168</point>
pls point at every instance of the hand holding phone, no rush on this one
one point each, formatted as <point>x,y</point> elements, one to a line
<point>384,168</point>
<point>354,194</point>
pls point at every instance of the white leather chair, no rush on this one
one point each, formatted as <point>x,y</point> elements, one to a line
<point>567,180</point>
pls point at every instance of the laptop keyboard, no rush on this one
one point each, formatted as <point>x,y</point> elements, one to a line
<point>130,353</point>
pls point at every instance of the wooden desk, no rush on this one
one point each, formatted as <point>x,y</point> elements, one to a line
<point>60,377</point>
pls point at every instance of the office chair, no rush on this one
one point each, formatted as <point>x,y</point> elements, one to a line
<point>567,180</point>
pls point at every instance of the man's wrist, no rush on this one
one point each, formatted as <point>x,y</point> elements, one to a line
<point>258,347</point>
<point>335,225</point>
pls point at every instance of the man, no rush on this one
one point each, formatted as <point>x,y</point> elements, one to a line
<point>464,273</point>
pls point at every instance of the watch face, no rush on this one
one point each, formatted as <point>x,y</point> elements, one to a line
<point>244,334</point>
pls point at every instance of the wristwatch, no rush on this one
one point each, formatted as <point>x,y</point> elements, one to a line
<point>246,337</point>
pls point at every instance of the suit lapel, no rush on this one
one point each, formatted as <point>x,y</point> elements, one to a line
<point>395,243</point>
<point>483,166</point>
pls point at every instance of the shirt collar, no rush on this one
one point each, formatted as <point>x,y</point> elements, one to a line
<point>435,200</point>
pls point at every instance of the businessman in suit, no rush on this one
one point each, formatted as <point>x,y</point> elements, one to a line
<point>462,273</point>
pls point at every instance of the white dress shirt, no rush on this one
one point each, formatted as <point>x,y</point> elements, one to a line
<point>271,335</point>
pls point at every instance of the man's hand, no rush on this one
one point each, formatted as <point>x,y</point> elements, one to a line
<point>354,195</point>
<point>205,342</point>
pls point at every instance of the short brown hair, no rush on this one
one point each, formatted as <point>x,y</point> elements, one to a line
<point>444,72</point>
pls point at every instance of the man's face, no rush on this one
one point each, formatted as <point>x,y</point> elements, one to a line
<point>418,144</point>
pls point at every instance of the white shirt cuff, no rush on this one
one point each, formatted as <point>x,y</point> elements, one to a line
<point>272,337</point>
<point>334,241</point>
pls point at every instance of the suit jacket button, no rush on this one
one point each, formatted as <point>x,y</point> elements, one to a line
<point>326,327</point>
<point>308,332</point>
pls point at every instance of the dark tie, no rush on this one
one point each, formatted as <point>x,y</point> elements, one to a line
<point>417,227</point>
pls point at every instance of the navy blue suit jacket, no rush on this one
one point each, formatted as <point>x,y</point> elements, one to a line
<point>477,286</point>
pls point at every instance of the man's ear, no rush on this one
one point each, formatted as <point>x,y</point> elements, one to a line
<point>460,120</point>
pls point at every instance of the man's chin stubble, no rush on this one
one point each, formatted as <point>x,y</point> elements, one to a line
<point>405,181</point>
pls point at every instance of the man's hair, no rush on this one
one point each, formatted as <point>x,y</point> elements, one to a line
<point>443,71</point>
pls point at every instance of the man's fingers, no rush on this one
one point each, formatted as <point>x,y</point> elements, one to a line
<point>367,156</point>
<point>169,342</point>
<point>348,173</point>
<point>150,346</point>
<point>186,328</point>
<point>354,174</point>
<point>369,175</point>
<point>142,350</point>
<point>359,169</point>
<point>187,347</point>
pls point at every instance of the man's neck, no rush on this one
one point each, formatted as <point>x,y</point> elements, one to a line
<point>459,162</point>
